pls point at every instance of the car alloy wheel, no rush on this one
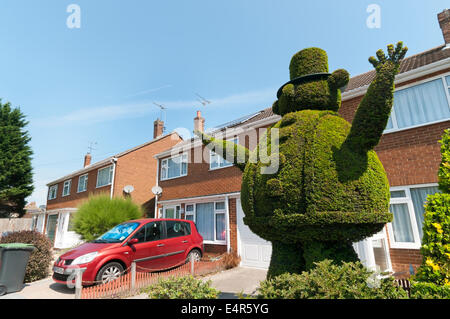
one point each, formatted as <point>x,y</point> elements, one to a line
<point>110,272</point>
<point>195,254</point>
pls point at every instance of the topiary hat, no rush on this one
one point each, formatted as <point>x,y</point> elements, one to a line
<point>307,65</point>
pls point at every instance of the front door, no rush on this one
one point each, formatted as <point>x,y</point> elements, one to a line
<point>51,226</point>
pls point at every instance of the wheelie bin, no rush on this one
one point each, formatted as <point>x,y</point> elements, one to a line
<point>13,263</point>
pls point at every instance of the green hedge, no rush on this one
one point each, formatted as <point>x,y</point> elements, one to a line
<point>181,288</point>
<point>428,290</point>
<point>327,280</point>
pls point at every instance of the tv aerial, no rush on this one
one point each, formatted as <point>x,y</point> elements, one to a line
<point>202,100</point>
<point>91,147</point>
<point>163,109</point>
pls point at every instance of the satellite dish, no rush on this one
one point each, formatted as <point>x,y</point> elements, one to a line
<point>128,189</point>
<point>156,190</point>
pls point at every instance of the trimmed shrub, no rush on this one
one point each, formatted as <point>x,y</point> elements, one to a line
<point>330,281</point>
<point>429,290</point>
<point>444,168</point>
<point>181,288</point>
<point>38,266</point>
<point>100,213</point>
<point>231,260</point>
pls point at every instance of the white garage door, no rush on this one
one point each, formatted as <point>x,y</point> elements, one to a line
<point>254,251</point>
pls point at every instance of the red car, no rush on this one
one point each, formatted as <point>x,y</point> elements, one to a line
<point>154,244</point>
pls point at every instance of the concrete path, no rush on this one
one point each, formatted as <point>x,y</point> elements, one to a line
<point>237,280</point>
<point>229,282</point>
<point>42,289</point>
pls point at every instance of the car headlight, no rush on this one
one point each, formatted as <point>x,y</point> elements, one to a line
<point>84,259</point>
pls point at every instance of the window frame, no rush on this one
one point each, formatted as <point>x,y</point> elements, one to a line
<point>111,168</point>
<point>221,159</point>
<point>216,212</point>
<point>50,192</point>
<point>85,183</point>
<point>165,165</point>
<point>64,188</point>
<point>412,216</point>
<point>395,127</point>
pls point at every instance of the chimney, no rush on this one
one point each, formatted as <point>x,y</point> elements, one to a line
<point>199,122</point>
<point>87,159</point>
<point>444,23</point>
<point>158,128</point>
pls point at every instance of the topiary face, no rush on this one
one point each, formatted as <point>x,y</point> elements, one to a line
<point>310,85</point>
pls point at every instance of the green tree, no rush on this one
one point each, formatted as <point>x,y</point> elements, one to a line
<point>101,213</point>
<point>16,177</point>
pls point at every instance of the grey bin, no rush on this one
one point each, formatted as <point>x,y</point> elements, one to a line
<point>13,263</point>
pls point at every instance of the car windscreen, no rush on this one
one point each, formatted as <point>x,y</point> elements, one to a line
<point>117,234</point>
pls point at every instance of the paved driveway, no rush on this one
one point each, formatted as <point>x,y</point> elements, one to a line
<point>230,283</point>
<point>42,289</point>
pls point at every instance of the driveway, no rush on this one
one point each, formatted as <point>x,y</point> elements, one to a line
<point>42,289</point>
<point>229,282</point>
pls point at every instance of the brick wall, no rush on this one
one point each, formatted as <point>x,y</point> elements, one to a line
<point>75,199</point>
<point>409,157</point>
<point>139,169</point>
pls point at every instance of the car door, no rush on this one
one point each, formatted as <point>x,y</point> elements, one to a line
<point>176,243</point>
<point>148,251</point>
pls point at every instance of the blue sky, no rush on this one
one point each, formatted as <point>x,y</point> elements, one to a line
<point>97,83</point>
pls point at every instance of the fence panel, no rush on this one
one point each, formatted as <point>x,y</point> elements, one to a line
<point>143,278</point>
<point>14,224</point>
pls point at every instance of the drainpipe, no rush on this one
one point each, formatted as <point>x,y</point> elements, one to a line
<point>227,223</point>
<point>157,184</point>
<point>114,161</point>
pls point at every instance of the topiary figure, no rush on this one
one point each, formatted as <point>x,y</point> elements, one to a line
<point>330,189</point>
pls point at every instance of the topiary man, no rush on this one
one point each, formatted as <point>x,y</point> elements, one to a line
<point>330,189</point>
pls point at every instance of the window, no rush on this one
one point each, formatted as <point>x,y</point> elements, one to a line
<point>104,176</point>
<point>71,224</point>
<point>189,212</point>
<point>52,191</point>
<point>420,104</point>
<point>210,219</point>
<point>172,212</point>
<point>149,232</point>
<point>407,206</point>
<point>82,183</point>
<point>217,161</point>
<point>174,167</point>
<point>66,188</point>
<point>176,229</point>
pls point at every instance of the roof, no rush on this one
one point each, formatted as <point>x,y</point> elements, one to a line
<point>408,64</point>
<point>109,159</point>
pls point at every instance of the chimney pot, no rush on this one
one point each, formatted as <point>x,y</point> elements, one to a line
<point>199,122</point>
<point>87,159</point>
<point>444,23</point>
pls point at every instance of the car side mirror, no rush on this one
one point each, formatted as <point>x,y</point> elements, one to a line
<point>133,241</point>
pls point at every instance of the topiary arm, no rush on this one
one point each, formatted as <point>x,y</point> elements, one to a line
<point>234,153</point>
<point>373,112</point>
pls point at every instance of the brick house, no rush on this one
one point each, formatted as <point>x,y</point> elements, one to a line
<point>208,192</point>
<point>135,167</point>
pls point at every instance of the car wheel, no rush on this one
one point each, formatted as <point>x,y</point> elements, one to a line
<point>195,253</point>
<point>109,272</point>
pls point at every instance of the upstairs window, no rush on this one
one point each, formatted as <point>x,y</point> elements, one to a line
<point>420,104</point>
<point>66,187</point>
<point>104,176</point>
<point>174,167</point>
<point>52,191</point>
<point>82,183</point>
<point>217,161</point>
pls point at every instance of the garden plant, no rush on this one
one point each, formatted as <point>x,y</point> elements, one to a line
<point>100,213</point>
<point>330,189</point>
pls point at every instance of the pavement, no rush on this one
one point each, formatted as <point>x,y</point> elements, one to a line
<point>231,283</point>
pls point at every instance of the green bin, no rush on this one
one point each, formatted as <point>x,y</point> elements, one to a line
<point>13,263</point>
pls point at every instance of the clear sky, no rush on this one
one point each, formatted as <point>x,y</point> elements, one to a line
<point>97,83</point>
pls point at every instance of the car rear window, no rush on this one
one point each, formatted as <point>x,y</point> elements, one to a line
<point>177,228</point>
